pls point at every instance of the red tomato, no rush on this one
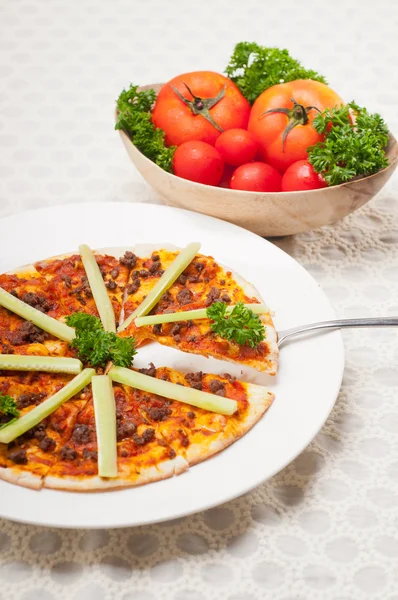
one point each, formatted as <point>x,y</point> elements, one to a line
<point>237,146</point>
<point>281,120</point>
<point>256,177</point>
<point>301,176</point>
<point>199,106</point>
<point>198,161</point>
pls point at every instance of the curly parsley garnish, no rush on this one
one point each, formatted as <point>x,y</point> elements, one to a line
<point>96,346</point>
<point>349,150</point>
<point>241,325</point>
<point>255,68</point>
<point>134,118</point>
<point>8,410</point>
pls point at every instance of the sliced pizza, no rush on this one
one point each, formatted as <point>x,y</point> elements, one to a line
<point>158,437</point>
<point>203,283</point>
<point>67,279</point>
<point>18,335</point>
<point>29,458</point>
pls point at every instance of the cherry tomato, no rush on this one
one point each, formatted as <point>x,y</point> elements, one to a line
<point>237,146</point>
<point>198,161</point>
<point>301,176</point>
<point>256,177</point>
<point>281,120</point>
<point>199,106</point>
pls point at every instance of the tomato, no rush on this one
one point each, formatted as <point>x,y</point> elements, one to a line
<point>256,177</point>
<point>199,106</point>
<point>301,176</point>
<point>281,120</point>
<point>237,146</point>
<point>198,161</point>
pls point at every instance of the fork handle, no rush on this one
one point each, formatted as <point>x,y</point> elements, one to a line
<point>337,324</point>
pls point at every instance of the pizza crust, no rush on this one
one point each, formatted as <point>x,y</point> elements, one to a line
<point>22,478</point>
<point>164,470</point>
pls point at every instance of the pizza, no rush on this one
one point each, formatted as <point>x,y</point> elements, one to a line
<point>203,282</point>
<point>156,436</point>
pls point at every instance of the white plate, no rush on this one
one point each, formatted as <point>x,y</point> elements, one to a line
<point>306,388</point>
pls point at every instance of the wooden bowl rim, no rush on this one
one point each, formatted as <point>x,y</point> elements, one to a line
<point>392,144</point>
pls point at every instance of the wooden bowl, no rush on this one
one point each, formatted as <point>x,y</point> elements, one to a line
<point>267,214</point>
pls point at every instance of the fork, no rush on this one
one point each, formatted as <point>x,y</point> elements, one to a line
<point>336,324</point>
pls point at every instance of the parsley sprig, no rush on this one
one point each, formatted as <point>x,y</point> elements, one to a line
<point>349,150</point>
<point>241,325</point>
<point>96,346</point>
<point>255,68</point>
<point>8,409</point>
<point>134,118</point>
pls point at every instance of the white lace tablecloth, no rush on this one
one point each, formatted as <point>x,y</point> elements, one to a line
<point>327,526</point>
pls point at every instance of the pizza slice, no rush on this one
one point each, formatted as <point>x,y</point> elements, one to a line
<point>67,279</point>
<point>157,437</point>
<point>28,459</point>
<point>18,335</point>
<point>203,283</point>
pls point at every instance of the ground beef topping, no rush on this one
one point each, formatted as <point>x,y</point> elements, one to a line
<point>28,399</point>
<point>172,453</point>
<point>231,378</point>
<point>225,298</point>
<point>195,380</point>
<point>159,414</point>
<point>199,266</point>
<point>155,268</point>
<point>157,329</point>
<point>68,453</point>
<point>6,349</point>
<point>184,438</point>
<point>47,444</point>
<point>27,334</point>
<point>81,433</point>
<point>190,414</point>
<point>37,302</point>
<point>217,387</point>
<point>146,437</point>
<point>182,279</point>
<point>128,260</point>
<point>133,287</point>
<point>212,296</point>
<point>114,273</point>
<point>126,429</point>
<point>184,296</point>
<point>151,371</point>
<point>38,432</point>
<point>111,285</point>
<point>67,280</point>
<point>90,454</point>
<point>19,457</point>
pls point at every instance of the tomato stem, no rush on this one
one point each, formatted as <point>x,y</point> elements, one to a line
<point>297,115</point>
<point>201,106</point>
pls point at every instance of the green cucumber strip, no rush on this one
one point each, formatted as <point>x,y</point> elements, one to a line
<point>105,424</point>
<point>40,412</point>
<point>49,364</point>
<point>189,395</point>
<point>192,315</point>
<point>60,330</point>
<point>172,273</point>
<point>97,285</point>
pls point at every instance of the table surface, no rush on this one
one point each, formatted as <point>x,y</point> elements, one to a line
<point>327,525</point>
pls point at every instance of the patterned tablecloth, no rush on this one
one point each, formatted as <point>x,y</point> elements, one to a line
<point>327,526</point>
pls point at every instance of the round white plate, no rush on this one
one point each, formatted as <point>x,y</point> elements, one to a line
<point>306,387</point>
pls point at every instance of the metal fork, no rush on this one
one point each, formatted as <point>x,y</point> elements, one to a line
<point>336,324</point>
